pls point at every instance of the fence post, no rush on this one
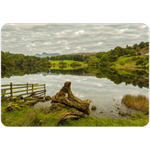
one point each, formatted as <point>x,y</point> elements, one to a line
<point>44,90</point>
<point>27,87</point>
<point>32,91</point>
<point>11,89</point>
<point>32,88</point>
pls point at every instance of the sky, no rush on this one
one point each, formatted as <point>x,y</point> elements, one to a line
<point>31,39</point>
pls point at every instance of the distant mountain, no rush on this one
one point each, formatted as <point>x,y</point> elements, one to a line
<point>85,53</point>
<point>44,54</point>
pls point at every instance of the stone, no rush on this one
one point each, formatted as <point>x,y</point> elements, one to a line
<point>31,103</point>
<point>47,98</point>
<point>41,100</point>
<point>93,107</point>
<point>12,106</point>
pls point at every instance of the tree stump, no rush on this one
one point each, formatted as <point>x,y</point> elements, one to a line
<point>75,108</point>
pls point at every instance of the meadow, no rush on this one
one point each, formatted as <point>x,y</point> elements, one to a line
<point>67,62</point>
<point>128,62</point>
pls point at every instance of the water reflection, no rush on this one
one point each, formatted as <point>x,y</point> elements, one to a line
<point>104,86</point>
<point>134,77</point>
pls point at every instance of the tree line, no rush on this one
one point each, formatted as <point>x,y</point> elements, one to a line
<point>71,57</point>
<point>9,60</point>
<point>107,58</point>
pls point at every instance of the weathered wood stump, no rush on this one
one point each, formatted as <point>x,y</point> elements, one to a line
<point>74,107</point>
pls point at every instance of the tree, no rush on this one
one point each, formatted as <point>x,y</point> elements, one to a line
<point>76,63</point>
<point>120,50</point>
<point>100,54</point>
<point>135,46</point>
<point>86,58</point>
<point>93,61</point>
<point>112,64</point>
<point>104,61</point>
<point>122,63</point>
<point>137,49</point>
<point>52,57</point>
<point>147,44</point>
<point>126,51</point>
<point>129,47</point>
<point>57,57</point>
<point>142,61</point>
<point>113,55</point>
<point>142,45</point>
<point>132,53</point>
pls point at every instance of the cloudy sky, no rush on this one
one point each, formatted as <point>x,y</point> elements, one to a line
<point>31,39</point>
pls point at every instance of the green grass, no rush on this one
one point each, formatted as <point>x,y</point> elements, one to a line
<point>135,120</point>
<point>129,62</point>
<point>28,116</point>
<point>66,68</point>
<point>24,117</point>
<point>55,65</point>
<point>123,72</point>
<point>56,62</point>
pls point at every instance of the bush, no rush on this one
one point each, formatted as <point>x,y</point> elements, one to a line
<point>135,57</point>
<point>76,63</point>
<point>139,102</point>
<point>122,63</point>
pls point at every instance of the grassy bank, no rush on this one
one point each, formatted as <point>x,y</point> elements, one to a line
<point>139,102</point>
<point>128,62</point>
<point>66,68</point>
<point>67,62</point>
<point>135,120</point>
<point>30,116</point>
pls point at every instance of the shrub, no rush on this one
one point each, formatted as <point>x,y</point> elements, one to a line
<point>122,63</point>
<point>75,64</point>
<point>135,57</point>
<point>139,102</point>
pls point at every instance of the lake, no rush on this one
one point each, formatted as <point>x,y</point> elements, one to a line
<point>106,87</point>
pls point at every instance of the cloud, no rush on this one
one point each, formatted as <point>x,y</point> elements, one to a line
<point>70,38</point>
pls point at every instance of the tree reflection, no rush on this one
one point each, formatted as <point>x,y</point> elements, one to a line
<point>138,78</point>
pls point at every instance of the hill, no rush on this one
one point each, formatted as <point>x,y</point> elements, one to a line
<point>145,50</point>
<point>44,54</point>
<point>84,54</point>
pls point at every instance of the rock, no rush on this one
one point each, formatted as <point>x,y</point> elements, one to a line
<point>111,111</point>
<point>31,103</point>
<point>20,101</point>
<point>41,100</point>
<point>47,98</point>
<point>38,97</point>
<point>101,112</point>
<point>12,106</point>
<point>28,99</point>
<point>93,107</point>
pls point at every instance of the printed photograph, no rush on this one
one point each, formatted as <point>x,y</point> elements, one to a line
<point>75,75</point>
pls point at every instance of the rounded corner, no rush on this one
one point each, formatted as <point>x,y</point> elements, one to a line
<point>4,25</point>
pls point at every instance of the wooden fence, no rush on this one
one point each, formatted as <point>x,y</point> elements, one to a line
<point>29,89</point>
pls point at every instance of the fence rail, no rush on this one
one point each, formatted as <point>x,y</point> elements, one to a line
<point>29,89</point>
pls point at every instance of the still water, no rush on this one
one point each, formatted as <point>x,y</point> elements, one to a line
<point>106,91</point>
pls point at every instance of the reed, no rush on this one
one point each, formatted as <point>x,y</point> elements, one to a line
<point>139,102</point>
